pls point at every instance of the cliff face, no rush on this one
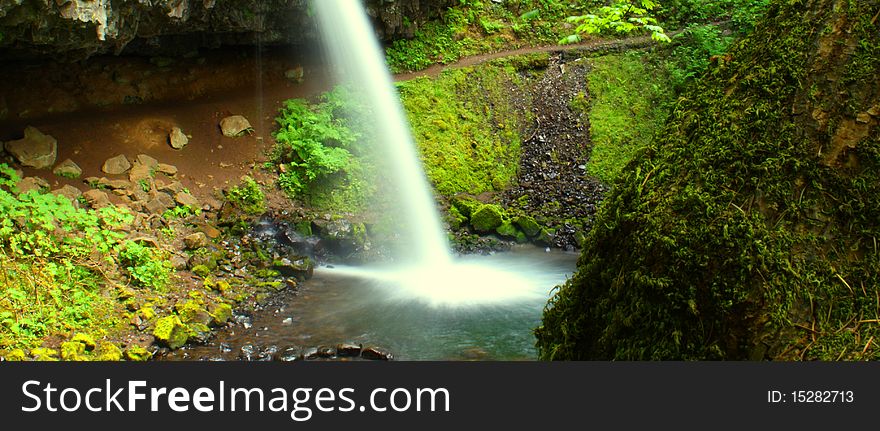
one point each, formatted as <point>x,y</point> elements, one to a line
<point>748,229</point>
<point>76,29</point>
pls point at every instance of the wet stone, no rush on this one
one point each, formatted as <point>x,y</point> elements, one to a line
<point>36,150</point>
<point>376,354</point>
<point>310,353</point>
<point>289,354</point>
<point>177,138</point>
<point>147,161</point>
<point>67,169</point>
<point>235,126</point>
<point>326,352</point>
<point>96,198</point>
<point>348,350</point>
<point>32,183</point>
<point>116,165</point>
<point>164,168</point>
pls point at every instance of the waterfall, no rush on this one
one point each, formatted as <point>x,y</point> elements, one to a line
<point>430,274</point>
<point>351,42</point>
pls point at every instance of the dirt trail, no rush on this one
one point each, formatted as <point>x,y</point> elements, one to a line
<point>591,46</point>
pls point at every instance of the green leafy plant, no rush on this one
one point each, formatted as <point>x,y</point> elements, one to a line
<point>621,17</point>
<point>145,265</point>
<point>248,196</point>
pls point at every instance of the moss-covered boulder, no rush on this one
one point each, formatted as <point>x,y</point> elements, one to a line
<point>108,352</point>
<point>73,351</point>
<point>466,205</point>
<point>487,218</point>
<point>507,230</point>
<point>86,340</point>
<point>171,332</point>
<point>748,230</point>
<point>528,225</point>
<point>137,353</point>
<point>220,313</point>
<point>455,218</point>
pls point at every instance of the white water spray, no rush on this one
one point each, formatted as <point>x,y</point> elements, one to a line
<point>431,276</point>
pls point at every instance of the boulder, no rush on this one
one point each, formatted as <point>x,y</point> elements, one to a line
<point>32,183</point>
<point>67,169</point>
<point>171,332</point>
<point>235,126</point>
<point>196,240</point>
<point>116,165</point>
<point>376,354</point>
<point>177,138</point>
<point>68,191</point>
<point>289,354</point>
<point>147,160</point>
<point>159,203</point>
<point>96,198</point>
<point>528,225</point>
<point>139,173</point>
<point>36,150</point>
<point>186,199</point>
<point>487,218</point>
<point>164,168</point>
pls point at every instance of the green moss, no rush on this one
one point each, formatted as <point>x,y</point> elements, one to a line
<point>137,353</point>
<point>627,95</point>
<point>487,218</point>
<point>44,354</point>
<point>171,332</point>
<point>108,352</point>
<point>304,228</point>
<point>86,340</point>
<point>740,233</point>
<point>528,225</point>
<point>15,355</point>
<point>467,127</point>
<point>73,351</point>
<point>456,219</point>
<point>466,205</point>
<point>507,230</point>
<point>221,313</point>
<point>201,270</point>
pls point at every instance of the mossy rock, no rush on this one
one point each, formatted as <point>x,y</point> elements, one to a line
<point>108,352</point>
<point>86,340</point>
<point>44,354</point>
<point>456,219</point>
<point>507,230</point>
<point>137,353</point>
<point>220,313</point>
<point>466,205</point>
<point>528,225</point>
<point>521,237</point>
<point>171,332</point>
<point>201,270</point>
<point>304,228</point>
<point>487,218</point>
<point>199,332</point>
<point>15,355</point>
<point>546,236</point>
<point>73,351</point>
<point>193,312</point>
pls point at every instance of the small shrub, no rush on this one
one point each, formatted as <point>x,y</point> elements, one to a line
<point>145,265</point>
<point>247,196</point>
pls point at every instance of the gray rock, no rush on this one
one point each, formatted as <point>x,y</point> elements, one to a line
<point>32,183</point>
<point>112,184</point>
<point>196,240</point>
<point>67,169</point>
<point>186,199</point>
<point>376,354</point>
<point>36,150</point>
<point>116,165</point>
<point>139,173</point>
<point>177,139</point>
<point>96,198</point>
<point>166,169</point>
<point>349,350</point>
<point>173,188</point>
<point>147,160</point>
<point>68,191</point>
<point>289,354</point>
<point>235,126</point>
